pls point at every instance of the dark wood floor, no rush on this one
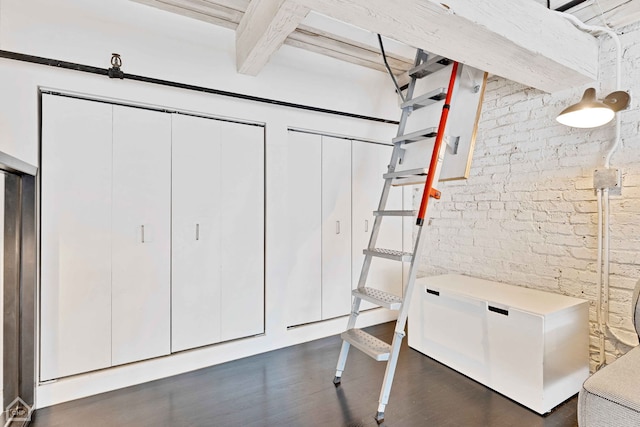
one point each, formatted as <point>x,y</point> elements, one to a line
<point>293,387</point>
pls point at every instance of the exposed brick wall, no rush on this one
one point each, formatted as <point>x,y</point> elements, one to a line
<point>527,213</point>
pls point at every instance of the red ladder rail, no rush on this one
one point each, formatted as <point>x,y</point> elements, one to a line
<point>428,186</point>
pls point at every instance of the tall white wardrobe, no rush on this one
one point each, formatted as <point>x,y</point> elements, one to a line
<point>334,185</point>
<point>151,241</point>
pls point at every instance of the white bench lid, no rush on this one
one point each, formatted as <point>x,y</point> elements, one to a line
<point>501,294</point>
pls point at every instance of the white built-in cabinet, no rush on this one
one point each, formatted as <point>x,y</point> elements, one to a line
<point>336,227</point>
<point>242,213</point>
<point>141,234</point>
<point>333,187</point>
<point>151,241</point>
<point>303,216</point>
<point>218,231</point>
<point>75,259</point>
<point>195,233</point>
<point>529,345</point>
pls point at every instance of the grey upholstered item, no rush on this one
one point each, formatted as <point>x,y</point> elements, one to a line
<point>611,396</point>
<point>635,308</point>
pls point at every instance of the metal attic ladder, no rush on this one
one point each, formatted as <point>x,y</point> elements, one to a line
<point>368,344</point>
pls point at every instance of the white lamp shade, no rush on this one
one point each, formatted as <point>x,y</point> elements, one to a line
<point>587,117</point>
<point>588,113</point>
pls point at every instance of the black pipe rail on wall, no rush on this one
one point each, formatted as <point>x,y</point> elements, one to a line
<point>106,72</point>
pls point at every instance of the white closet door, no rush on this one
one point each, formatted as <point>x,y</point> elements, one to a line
<point>304,217</point>
<point>241,208</point>
<point>369,164</point>
<point>336,227</point>
<point>196,197</point>
<point>141,234</point>
<point>75,293</point>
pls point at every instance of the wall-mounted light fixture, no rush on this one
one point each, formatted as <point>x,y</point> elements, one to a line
<point>590,113</point>
<point>615,102</point>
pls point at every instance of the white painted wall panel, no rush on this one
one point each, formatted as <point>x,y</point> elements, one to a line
<point>75,291</point>
<point>141,234</point>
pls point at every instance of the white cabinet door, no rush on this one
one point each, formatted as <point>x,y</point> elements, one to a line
<point>369,164</point>
<point>304,215</point>
<point>196,197</point>
<point>336,227</point>
<point>516,344</point>
<point>75,295</point>
<point>241,208</point>
<point>450,328</point>
<point>141,234</point>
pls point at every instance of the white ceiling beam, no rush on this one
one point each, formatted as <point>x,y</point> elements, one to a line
<point>516,39</point>
<point>338,47</point>
<point>198,9</point>
<point>613,13</point>
<point>228,13</point>
<point>262,30</point>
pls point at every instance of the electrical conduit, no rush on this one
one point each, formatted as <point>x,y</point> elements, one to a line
<point>603,258</point>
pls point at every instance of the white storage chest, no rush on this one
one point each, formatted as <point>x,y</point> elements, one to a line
<point>532,346</point>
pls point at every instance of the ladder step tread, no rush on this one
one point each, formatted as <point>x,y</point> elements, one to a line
<point>368,344</point>
<point>426,99</point>
<point>418,135</point>
<point>430,66</point>
<point>394,213</point>
<point>389,254</point>
<point>406,173</point>
<point>378,297</point>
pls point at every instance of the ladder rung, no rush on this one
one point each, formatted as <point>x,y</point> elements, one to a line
<point>425,99</point>
<point>379,298</point>
<point>430,66</point>
<point>368,344</point>
<point>394,213</point>
<point>389,254</point>
<point>416,136</point>
<point>407,173</point>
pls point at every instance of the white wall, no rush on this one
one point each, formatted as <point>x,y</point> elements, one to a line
<point>161,45</point>
<point>166,46</point>
<point>527,213</point>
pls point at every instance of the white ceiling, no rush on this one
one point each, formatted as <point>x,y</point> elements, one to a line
<point>332,37</point>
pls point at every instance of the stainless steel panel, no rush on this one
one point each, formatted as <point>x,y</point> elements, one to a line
<point>19,310</point>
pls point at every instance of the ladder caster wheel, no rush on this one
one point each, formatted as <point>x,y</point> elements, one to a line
<point>380,417</point>
<point>336,381</point>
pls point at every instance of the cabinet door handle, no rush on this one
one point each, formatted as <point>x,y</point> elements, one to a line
<point>366,225</point>
<point>142,233</point>
<point>498,310</point>
<point>337,227</point>
<point>197,231</point>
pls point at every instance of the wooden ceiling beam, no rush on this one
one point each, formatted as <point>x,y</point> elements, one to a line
<point>516,39</point>
<point>262,30</point>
